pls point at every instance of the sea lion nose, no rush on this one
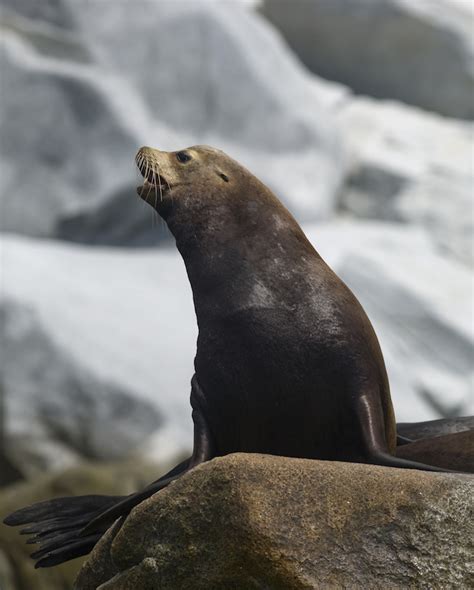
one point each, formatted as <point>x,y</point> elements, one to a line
<point>147,158</point>
<point>145,151</point>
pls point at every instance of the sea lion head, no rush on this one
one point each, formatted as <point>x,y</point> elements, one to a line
<point>222,217</point>
<point>196,173</point>
<point>202,193</point>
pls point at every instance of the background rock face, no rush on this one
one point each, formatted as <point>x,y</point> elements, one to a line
<point>109,98</point>
<point>411,167</point>
<point>356,526</point>
<point>416,52</point>
<point>57,410</point>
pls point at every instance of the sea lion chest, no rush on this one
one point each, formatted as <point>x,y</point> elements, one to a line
<point>277,368</point>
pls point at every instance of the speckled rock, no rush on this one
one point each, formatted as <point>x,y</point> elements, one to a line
<point>255,521</point>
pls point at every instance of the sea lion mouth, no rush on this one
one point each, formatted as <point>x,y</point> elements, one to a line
<point>154,181</point>
<point>158,183</point>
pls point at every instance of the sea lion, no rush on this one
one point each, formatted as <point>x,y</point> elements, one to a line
<point>413,431</point>
<point>451,451</point>
<point>287,361</point>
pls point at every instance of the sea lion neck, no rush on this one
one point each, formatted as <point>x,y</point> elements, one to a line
<point>240,253</point>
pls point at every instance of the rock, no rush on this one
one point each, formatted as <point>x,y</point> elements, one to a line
<point>411,167</point>
<point>49,13</point>
<point>9,472</point>
<point>122,321</point>
<point>57,410</point>
<point>46,169</point>
<point>16,568</point>
<point>319,524</point>
<point>79,105</point>
<point>417,52</point>
<point>115,221</point>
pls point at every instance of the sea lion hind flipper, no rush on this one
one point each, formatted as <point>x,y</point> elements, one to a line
<point>57,524</point>
<point>403,440</point>
<point>68,527</point>
<point>435,428</point>
<point>60,526</point>
<point>66,507</point>
<point>76,548</point>
<point>387,460</point>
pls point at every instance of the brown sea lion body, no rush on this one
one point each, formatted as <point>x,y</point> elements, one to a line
<point>435,428</point>
<point>287,361</point>
<point>451,451</point>
<point>286,356</point>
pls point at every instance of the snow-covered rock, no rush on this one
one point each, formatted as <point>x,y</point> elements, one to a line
<point>420,52</point>
<point>56,409</point>
<point>127,317</point>
<point>411,166</point>
<point>80,101</point>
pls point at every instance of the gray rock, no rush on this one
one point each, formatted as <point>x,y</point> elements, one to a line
<point>319,524</point>
<point>115,221</point>
<point>408,288</point>
<point>417,52</point>
<point>57,410</point>
<point>124,317</point>
<point>80,102</point>
<point>411,167</point>
<point>64,145</point>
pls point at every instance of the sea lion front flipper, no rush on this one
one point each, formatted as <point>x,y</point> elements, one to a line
<point>370,419</point>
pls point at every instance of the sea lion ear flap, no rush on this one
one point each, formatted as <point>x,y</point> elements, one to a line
<point>224,177</point>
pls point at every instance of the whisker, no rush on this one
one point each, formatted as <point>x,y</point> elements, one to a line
<point>139,164</point>
<point>159,181</point>
<point>156,198</point>
<point>144,176</point>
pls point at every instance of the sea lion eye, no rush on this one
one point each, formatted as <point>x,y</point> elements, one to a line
<point>183,157</point>
<point>224,177</point>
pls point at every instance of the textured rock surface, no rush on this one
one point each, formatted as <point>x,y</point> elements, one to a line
<point>317,524</point>
<point>417,52</point>
<point>411,167</point>
<point>16,568</point>
<point>57,410</point>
